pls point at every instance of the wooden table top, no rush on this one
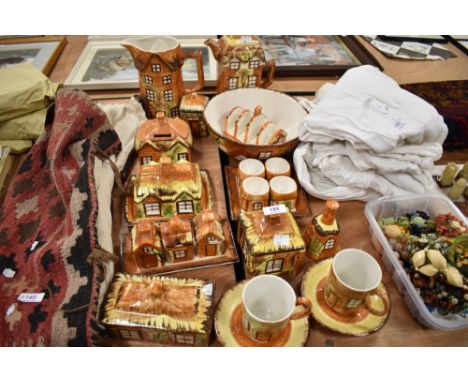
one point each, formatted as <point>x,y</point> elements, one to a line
<point>401,329</point>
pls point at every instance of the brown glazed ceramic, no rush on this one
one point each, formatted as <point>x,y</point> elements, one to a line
<point>345,294</point>
<point>159,61</point>
<point>283,110</point>
<point>242,62</point>
<point>277,166</point>
<point>323,233</point>
<point>255,193</point>
<point>283,190</point>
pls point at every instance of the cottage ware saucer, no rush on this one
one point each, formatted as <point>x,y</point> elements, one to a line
<point>231,332</point>
<point>359,324</point>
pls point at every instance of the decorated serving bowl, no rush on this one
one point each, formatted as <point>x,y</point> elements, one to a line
<point>282,110</point>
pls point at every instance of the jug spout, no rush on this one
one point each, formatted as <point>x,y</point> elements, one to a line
<point>215,49</point>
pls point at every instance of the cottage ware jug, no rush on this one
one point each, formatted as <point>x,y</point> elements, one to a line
<point>241,60</point>
<point>159,61</point>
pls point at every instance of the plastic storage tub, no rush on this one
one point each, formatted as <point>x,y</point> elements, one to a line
<point>433,204</point>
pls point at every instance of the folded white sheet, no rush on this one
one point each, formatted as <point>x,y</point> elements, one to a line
<point>366,137</point>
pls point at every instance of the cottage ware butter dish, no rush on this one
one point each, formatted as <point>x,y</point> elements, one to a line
<point>284,113</point>
<point>231,331</point>
<point>165,310</point>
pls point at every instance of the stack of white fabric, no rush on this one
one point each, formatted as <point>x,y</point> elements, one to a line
<point>366,137</point>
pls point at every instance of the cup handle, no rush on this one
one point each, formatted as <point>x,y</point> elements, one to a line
<point>197,55</point>
<point>368,303</point>
<point>270,66</point>
<point>305,302</point>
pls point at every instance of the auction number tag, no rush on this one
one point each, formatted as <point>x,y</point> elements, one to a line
<point>8,273</point>
<point>281,240</point>
<point>276,209</point>
<point>31,297</point>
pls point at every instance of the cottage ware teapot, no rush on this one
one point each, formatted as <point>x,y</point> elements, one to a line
<point>159,61</point>
<point>241,60</point>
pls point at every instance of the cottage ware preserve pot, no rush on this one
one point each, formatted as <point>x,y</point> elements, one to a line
<point>159,61</point>
<point>241,60</point>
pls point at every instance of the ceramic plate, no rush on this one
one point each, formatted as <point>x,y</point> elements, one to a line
<point>360,324</point>
<point>231,333</point>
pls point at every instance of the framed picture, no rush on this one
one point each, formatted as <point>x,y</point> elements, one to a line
<point>40,51</point>
<point>315,55</point>
<point>106,64</point>
<point>460,41</point>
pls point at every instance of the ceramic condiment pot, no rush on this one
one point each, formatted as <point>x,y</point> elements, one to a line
<point>354,277</point>
<point>159,61</point>
<point>276,167</point>
<point>283,190</point>
<point>250,167</point>
<point>269,303</point>
<point>255,193</point>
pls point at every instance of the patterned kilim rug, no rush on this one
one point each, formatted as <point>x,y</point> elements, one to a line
<point>48,234</point>
<point>450,98</point>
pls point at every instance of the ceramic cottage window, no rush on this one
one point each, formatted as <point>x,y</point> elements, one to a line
<point>255,63</point>
<point>234,65</point>
<point>146,160</point>
<point>168,95</point>
<point>185,339</point>
<point>252,81</point>
<point>264,155</point>
<point>181,156</point>
<point>330,243</point>
<point>150,94</point>
<point>148,250</point>
<point>148,80</point>
<point>233,81</point>
<point>167,80</point>
<point>156,68</point>
<point>274,266</point>
<point>179,254</point>
<point>152,209</point>
<point>257,206</point>
<point>174,112</point>
<point>212,240</point>
<point>130,334</point>
<point>185,207</point>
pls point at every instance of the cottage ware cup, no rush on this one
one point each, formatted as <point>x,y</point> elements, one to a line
<point>255,193</point>
<point>283,190</point>
<point>251,167</point>
<point>269,303</point>
<point>354,277</point>
<point>276,167</point>
<point>159,61</point>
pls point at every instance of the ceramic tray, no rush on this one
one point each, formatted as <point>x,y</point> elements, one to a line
<point>233,187</point>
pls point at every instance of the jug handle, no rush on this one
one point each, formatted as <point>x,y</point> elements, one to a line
<point>197,55</point>
<point>270,66</point>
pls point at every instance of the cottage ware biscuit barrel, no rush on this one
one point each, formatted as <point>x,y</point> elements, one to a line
<point>159,61</point>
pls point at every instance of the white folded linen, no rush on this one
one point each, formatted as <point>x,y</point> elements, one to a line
<point>366,137</point>
<point>370,111</point>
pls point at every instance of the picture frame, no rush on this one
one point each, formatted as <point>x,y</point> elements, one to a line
<point>324,55</point>
<point>460,41</point>
<point>105,64</point>
<point>40,51</point>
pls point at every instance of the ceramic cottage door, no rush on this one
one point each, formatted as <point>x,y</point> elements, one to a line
<point>159,62</point>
